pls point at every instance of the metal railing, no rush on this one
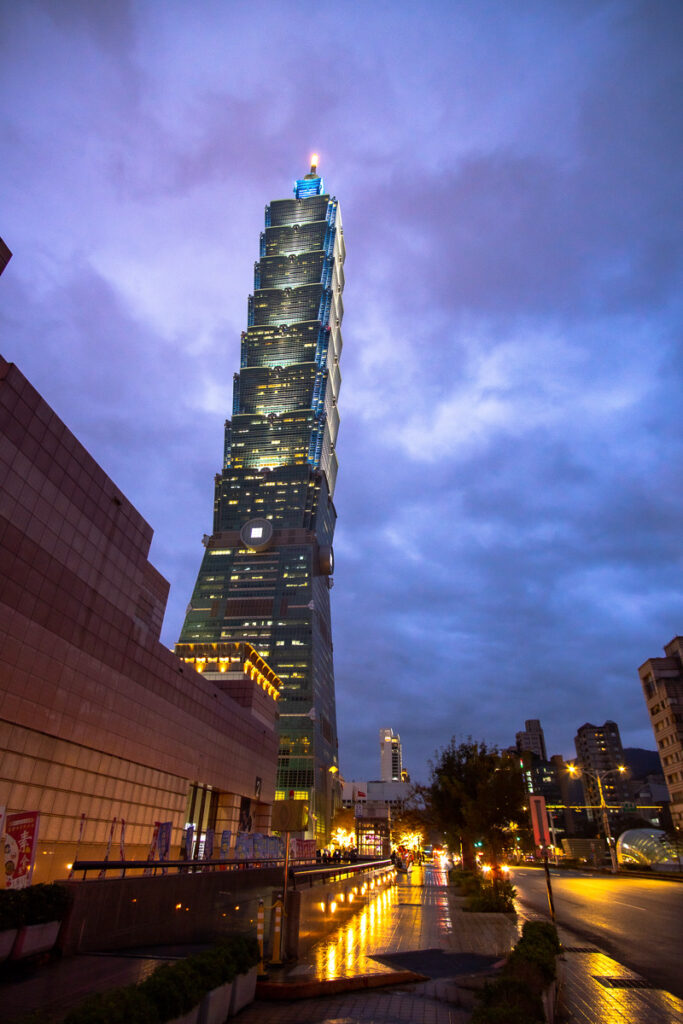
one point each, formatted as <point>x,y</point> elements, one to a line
<point>302,872</point>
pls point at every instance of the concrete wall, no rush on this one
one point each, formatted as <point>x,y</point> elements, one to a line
<point>120,913</point>
<point>310,914</point>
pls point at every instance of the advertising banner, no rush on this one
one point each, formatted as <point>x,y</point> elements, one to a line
<point>164,839</point>
<point>20,844</point>
<point>186,849</point>
<point>103,870</point>
<point>208,843</point>
<point>244,846</point>
<point>276,848</point>
<point>122,845</point>
<point>225,843</point>
<point>81,830</point>
<point>154,845</point>
<point>260,846</point>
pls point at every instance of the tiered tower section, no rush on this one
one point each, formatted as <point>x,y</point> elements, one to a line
<point>267,570</point>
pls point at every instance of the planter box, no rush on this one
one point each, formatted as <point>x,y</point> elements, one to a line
<point>243,990</point>
<point>215,1005</point>
<point>35,938</point>
<point>7,942</point>
<point>191,1017</point>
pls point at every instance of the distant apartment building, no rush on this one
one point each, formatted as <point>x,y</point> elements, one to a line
<point>390,756</point>
<point>662,682</point>
<point>390,794</point>
<point>599,751</point>
<point>532,738</point>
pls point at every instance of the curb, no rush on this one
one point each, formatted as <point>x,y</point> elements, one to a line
<point>310,989</point>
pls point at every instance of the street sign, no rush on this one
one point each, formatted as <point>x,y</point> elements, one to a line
<point>539,821</point>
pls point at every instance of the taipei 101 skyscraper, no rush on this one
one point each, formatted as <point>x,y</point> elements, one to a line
<point>266,574</point>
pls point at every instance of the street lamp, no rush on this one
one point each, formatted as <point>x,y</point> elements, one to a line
<point>579,770</point>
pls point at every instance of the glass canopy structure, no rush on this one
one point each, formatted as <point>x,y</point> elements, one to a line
<point>266,574</point>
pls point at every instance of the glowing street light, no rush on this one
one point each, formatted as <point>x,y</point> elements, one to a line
<point>577,771</point>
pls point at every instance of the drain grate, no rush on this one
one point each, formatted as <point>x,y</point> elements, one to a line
<point>607,982</point>
<point>580,949</point>
<point>408,904</point>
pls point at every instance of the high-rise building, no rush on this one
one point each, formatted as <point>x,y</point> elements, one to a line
<point>390,756</point>
<point>266,574</point>
<point>662,682</point>
<point>532,739</point>
<point>599,751</point>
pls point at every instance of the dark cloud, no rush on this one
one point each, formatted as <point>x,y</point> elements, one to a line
<point>508,542</point>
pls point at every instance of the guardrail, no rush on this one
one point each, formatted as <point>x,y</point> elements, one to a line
<point>304,872</point>
<point>312,875</point>
<point>164,867</point>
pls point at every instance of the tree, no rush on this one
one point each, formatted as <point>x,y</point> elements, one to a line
<point>409,821</point>
<point>475,793</point>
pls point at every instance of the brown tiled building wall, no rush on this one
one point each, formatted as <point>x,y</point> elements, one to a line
<point>96,716</point>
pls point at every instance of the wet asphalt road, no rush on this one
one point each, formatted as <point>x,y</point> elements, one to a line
<point>638,921</point>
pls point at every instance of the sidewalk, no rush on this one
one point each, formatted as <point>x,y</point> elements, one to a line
<point>413,931</point>
<point>423,915</point>
<point>599,990</point>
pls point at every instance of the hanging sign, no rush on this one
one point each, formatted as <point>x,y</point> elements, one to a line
<point>20,845</point>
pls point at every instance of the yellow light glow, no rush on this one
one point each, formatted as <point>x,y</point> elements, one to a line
<point>322,907</point>
<point>314,159</point>
<point>179,906</point>
<point>69,867</point>
<point>333,907</point>
<point>350,897</point>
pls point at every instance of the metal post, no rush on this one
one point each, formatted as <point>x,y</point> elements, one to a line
<point>551,818</point>
<point>605,822</point>
<point>549,887</point>
<point>277,932</point>
<point>260,921</point>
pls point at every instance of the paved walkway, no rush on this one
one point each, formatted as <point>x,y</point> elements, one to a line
<point>417,925</point>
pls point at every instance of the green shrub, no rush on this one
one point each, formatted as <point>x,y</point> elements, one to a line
<point>173,989</point>
<point>468,882</point>
<point>540,957</point>
<point>509,1001</point>
<point>212,968</point>
<point>10,910</point>
<point>541,931</point>
<point>515,998</point>
<point>127,1005</point>
<point>493,897</point>
<point>244,952</point>
<point>41,903</point>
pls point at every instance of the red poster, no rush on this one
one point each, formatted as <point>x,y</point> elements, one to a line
<point>20,842</point>
<point>539,821</point>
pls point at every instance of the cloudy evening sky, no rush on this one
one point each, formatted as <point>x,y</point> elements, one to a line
<point>510,490</point>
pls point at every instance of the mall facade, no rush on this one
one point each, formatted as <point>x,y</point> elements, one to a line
<point>100,724</point>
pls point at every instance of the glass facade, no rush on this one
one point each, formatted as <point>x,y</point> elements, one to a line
<point>266,574</point>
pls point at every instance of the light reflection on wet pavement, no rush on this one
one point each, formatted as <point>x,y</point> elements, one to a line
<point>592,993</point>
<point>412,914</point>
